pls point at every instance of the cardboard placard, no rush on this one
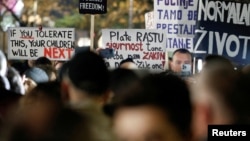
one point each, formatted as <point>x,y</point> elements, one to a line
<point>145,47</point>
<point>31,42</point>
<point>92,6</point>
<point>178,19</point>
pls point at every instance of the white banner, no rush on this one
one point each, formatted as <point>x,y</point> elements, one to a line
<point>31,43</point>
<point>178,19</point>
<point>145,47</point>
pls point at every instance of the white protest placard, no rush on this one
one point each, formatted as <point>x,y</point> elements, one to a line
<point>145,47</point>
<point>149,20</point>
<point>31,42</point>
<point>178,19</point>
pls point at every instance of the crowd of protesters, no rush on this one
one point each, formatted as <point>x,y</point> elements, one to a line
<point>81,99</point>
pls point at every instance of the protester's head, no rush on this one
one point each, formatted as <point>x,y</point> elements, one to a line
<point>216,61</point>
<point>34,76</point>
<point>4,83</point>
<point>15,79</point>
<point>180,57</point>
<point>121,79</point>
<point>50,71</point>
<point>43,61</point>
<point>128,64</point>
<point>58,64</point>
<point>210,93</point>
<point>3,64</point>
<point>158,108</point>
<point>87,78</point>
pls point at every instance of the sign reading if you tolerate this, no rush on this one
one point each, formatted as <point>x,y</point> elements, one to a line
<point>31,43</point>
<point>92,6</point>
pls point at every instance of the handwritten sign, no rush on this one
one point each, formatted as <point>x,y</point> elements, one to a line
<point>145,47</point>
<point>149,20</point>
<point>178,19</point>
<point>31,43</point>
<point>223,29</point>
<point>92,6</point>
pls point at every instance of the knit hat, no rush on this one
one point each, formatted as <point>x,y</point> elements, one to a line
<point>36,74</point>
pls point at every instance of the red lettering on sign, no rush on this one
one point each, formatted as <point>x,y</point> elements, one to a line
<point>57,53</point>
<point>154,56</point>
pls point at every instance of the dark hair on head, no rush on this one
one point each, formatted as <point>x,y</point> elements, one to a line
<point>88,72</point>
<point>214,57</point>
<point>121,79</point>
<point>182,50</point>
<point>238,97</point>
<point>49,89</point>
<point>62,71</point>
<point>42,61</point>
<point>217,61</point>
<point>127,60</point>
<point>167,92</point>
<point>15,80</point>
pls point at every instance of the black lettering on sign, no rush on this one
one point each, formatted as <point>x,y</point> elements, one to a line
<point>142,64</point>
<point>118,56</point>
<point>157,67</point>
<point>19,52</point>
<point>33,52</point>
<point>17,43</point>
<point>150,37</point>
<point>26,34</point>
<point>116,35</point>
<point>153,48</point>
<point>12,32</point>
<point>37,43</point>
<point>117,64</point>
<point>134,56</point>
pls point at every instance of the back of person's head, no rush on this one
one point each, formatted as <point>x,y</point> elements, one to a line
<point>38,75</point>
<point>121,79</point>
<point>217,61</point>
<point>15,80</point>
<point>4,83</point>
<point>238,99</point>
<point>46,89</point>
<point>43,61</point>
<point>3,64</point>
<point>87,71</point>
<point>50,71</point>
<point>128,64</point>
<point>62,71</point>
<point>167,93</point>
<point>214,84</point>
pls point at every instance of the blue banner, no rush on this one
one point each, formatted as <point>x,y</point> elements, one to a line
<point>223,28</point>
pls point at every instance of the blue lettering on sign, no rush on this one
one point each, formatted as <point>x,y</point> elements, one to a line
<point>169,14</point>
<point>179,43</point>
<point>182,3</point>
<point>183,29</point>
